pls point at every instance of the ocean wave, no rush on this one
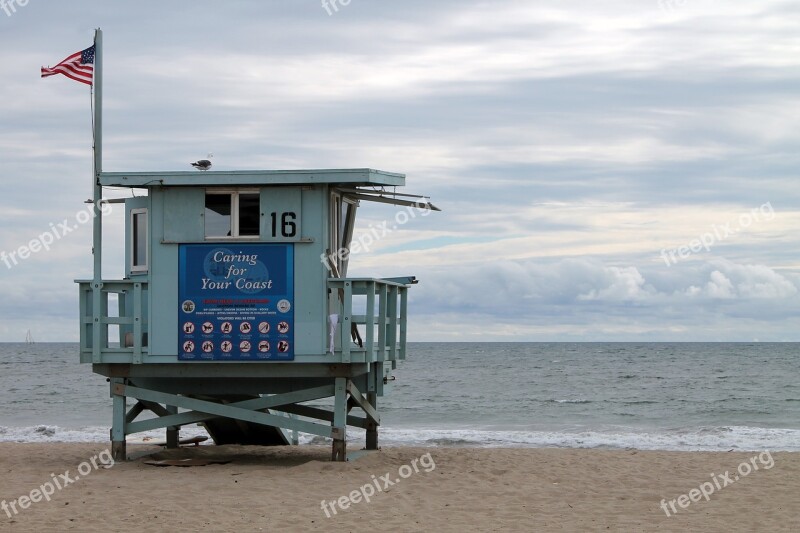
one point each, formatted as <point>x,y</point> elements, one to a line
<point>45,433</point>
<point>446,442</point>
<point>721,438</point>
<point>712,438</point>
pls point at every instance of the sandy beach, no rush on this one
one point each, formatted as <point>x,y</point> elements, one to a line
<point>409,489</point>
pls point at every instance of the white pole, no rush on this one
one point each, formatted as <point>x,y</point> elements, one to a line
<point>97,227</point>
<point>98,154</point>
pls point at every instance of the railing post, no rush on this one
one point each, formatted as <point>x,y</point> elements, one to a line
<point>83,304</point>
<point>122,310</point>
<point>97,324</point>
<point>403,322</point>
<point>137,323</point>
<point>347,320</point>
<point>382,322</point>
<point>369,335</point>
<point>392,314</point>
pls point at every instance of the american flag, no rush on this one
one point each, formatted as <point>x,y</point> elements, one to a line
<point>79,67</point>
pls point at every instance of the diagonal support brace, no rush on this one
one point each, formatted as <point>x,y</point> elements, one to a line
<point>207,409</point>
<point>362,402</point>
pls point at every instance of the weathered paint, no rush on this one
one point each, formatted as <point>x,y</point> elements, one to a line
<point>143,361</point>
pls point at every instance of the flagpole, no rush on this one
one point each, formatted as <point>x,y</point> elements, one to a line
<point>98,155</point>
<point>98,333</point>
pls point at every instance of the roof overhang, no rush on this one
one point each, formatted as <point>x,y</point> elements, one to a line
<point>244,178</point>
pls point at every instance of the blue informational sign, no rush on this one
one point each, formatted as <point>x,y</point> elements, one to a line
<point>236,302</point>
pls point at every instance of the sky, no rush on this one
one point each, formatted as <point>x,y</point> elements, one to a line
<point>607,171</point>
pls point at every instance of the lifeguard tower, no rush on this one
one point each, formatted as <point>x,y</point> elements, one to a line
<point>236,310</point>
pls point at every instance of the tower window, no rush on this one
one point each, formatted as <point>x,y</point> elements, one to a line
<point>233,214</point>
<point>139,253</point>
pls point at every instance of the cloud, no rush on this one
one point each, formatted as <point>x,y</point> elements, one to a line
<point>703,301</point>
<point>569,143</point>
<point>745,282</point>
<point>621,284</point>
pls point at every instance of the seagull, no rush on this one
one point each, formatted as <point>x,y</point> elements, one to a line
<point>203,164</point>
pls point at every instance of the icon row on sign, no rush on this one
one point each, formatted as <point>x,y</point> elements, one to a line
<point>188,306</point>
<point>227,327</point>
<point>227,346</point>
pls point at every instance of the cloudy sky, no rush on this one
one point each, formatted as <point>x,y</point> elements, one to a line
<point>580,150</point>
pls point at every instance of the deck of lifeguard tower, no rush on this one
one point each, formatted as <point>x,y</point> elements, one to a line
<point>244,348</point>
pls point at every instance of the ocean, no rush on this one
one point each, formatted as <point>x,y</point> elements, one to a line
<point>648,396</point>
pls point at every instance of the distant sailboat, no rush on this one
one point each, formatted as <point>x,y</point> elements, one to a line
<point>29,338</point>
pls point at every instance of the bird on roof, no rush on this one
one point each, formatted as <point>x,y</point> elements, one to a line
<point>203,164</point>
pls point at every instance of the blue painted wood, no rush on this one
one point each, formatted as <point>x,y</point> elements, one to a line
<point>137,322</point>
<point>97,327</point>
<point>369,321</point>
<point>253,405</point>
<point>148,303</point>
<point>347,320</point>
<point>244,178</point>
<point>403,323</point>
<point>340,409</point>
<point>180,211</point>
<point>119,423</point>
<point>227,411</point>
<point>279,200</point>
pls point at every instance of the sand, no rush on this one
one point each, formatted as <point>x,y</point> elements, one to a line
<point>452,489</point>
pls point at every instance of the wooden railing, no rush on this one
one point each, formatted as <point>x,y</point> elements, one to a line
<point>383,322</point>
<point>95,320</point>
<point>380,317</point>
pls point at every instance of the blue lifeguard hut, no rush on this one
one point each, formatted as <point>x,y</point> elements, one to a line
<point>236,309</point>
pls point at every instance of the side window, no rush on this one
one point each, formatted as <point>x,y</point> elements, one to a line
<point>139,241</point>
<point>232,214</point>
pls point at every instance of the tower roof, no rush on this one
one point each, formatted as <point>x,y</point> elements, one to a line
<point>355,176</point>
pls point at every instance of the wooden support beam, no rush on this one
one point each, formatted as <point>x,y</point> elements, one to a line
<point>339,450</point>
<point>372,425</point>
<point>321,414</point>
<point>266,402</point>
<point>119,423</point>
<point>135,411</point>
<point>193,370</point>
<point>362,402</point>
<point>339,429</point>
<point>247,410</point>
<point>155,408</point>
<point>173,432</point>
